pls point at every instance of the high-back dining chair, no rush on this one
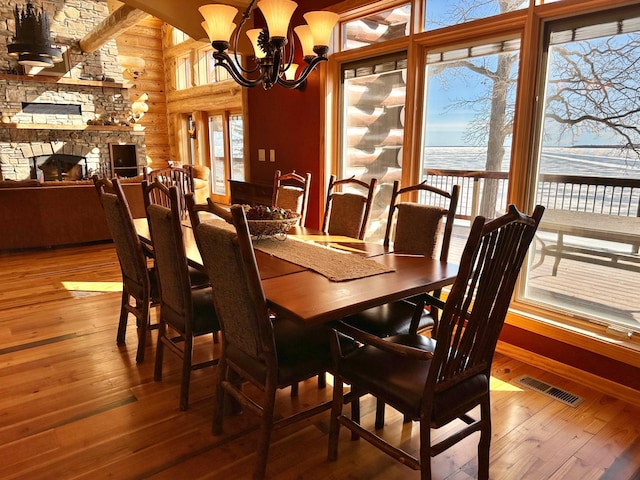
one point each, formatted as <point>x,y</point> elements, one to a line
<point>158,197</point>
<point>347,213</point>
<point>291,191</point>
<point>186,311</point>
<point>138,279</point>
<point>419,230</point>
<point>271,354</point>
<point>177,176</point>
<point>437,382</point>
<point>195,209</point>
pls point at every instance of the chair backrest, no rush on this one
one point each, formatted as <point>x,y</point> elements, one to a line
<point>347,213</point>
<point>237,291</point>
<point>177,176</point>
<point>131,256</point>
<point>477,304</point>
<point>418,224</point>
<point>291,191</point>
<point>169,253</point>
<point>195,209</point>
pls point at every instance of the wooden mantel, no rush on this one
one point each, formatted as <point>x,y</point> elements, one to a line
<point>134,129</point>
<point>60,80</point>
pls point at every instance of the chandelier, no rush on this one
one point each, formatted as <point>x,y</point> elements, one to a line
<point>31,44</point>
<point>273,60</point>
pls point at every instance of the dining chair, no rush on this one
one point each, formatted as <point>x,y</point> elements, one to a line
<point>419,230</point>
<point>174,175</point>
<point>188,312</point>
<point>210,207</point>
<point>291,191</point>
<point>347,212</point>
<point>139,287</point>
<point>197,278</point>
<point>437,381</point>
<point>269,353</point>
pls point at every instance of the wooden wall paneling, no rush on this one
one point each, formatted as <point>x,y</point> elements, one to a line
<point>141,47</point>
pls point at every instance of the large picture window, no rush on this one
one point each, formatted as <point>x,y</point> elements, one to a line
<point>588,174</point>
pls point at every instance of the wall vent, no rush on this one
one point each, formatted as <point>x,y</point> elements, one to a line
<point>550,391</point>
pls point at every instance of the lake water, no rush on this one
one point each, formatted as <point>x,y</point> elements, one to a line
<point>588,161</point>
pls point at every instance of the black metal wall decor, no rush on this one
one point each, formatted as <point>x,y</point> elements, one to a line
<point>32,43</point>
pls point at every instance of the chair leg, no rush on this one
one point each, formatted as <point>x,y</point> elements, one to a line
<point>380,406</point>
<point>425,449</point>
<point>124,314</point>
<point>143,323</point>
<point>322,380</point>
<point>485,441</point>
<point>355,413</point>
<point>218,407</point>
<point>265,431</point>
<point>186,373</point>
<point>294,390</point>
<point>336,411</point>
<point>162,333</point>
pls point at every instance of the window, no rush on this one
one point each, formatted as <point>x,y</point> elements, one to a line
<point>377,27</point>
<point>207,72</point>
<point>178,36</point>
<point>373,94</point>
<point>226,151</point>
<point>469,107</point>
<point>444,13</point>
<point>217,155</point>
<point>183,72</point>
<point>561,130</point>
<point>588,174</point>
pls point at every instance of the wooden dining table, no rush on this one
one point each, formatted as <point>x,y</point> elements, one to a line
<point>311,298</point>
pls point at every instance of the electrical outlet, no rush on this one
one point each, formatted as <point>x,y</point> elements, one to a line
<point>272,155</point>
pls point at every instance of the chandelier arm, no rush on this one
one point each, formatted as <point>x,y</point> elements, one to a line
<point>236,38</point>
<point>274,74</point>
<point>303,76</point>
<point>223,60</point>
<point>292,51</point>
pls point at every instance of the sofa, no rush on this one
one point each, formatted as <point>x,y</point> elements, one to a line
<point>50,214</point>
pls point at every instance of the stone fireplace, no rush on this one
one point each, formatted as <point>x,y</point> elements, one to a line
<point>76,127</point>
<point>81,110</point>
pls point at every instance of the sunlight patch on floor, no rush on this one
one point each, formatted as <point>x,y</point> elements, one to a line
<point>497,385</point>
<point>93,286</point>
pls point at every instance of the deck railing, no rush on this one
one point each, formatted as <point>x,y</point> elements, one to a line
<point>610,196</point>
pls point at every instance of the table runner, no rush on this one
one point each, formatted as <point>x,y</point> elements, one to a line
<point>337,266</point>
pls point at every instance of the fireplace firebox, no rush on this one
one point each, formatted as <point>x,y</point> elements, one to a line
<point>58,166</point>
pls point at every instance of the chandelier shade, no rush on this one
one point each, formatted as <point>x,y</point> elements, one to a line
<point>273,46</point>
<point>31,44</point>
<point>306,40</point>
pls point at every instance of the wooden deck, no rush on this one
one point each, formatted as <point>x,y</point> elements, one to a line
<point>578,284</point>
<point>75,405</point>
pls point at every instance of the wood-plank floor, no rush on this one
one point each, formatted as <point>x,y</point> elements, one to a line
<point>75,405</point>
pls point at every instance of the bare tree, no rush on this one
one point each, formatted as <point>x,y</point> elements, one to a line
<point>593,88</point>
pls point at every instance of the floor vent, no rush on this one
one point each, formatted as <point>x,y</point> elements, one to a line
<point>550,391</point>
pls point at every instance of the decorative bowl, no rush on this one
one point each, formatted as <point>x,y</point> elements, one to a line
<point>271,228</point>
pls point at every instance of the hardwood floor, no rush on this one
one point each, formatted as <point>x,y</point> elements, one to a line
<point>75,405</point>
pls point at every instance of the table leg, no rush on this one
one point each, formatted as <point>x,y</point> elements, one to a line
<point>559,247</point>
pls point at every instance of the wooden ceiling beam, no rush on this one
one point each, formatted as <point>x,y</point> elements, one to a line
<point>118,22</point>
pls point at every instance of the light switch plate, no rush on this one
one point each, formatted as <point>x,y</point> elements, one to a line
<point>261,155</point>
<point>272,155</point>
